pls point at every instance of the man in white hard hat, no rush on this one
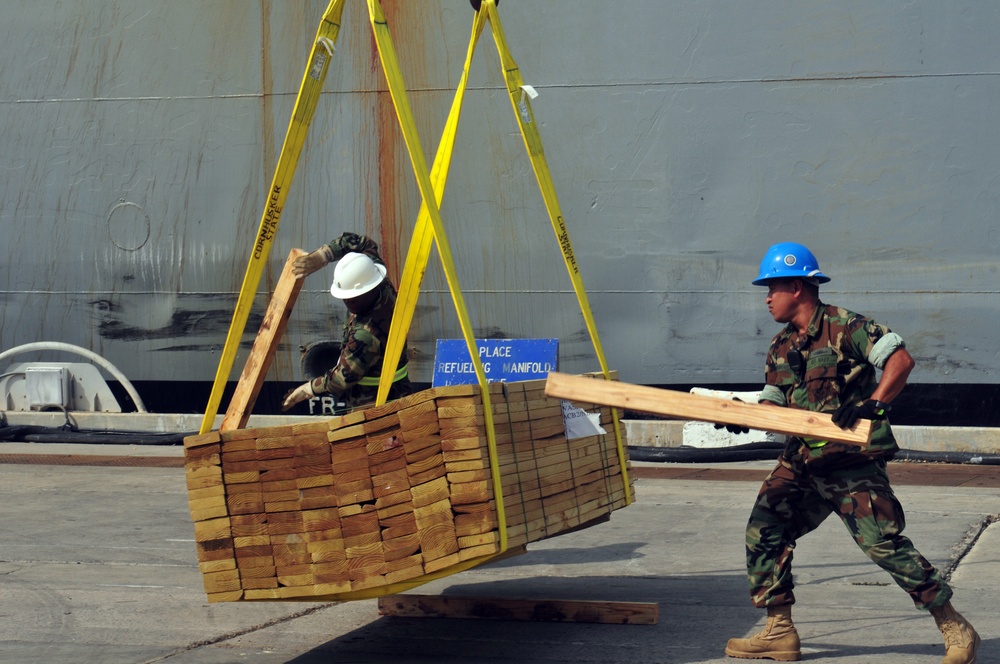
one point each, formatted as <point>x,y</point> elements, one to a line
<point>359,279</point>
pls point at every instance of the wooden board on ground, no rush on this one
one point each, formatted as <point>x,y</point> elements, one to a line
<point>498,608</point>
<point>681,405</point>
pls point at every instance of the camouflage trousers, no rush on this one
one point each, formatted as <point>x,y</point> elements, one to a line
<point>792,502</point>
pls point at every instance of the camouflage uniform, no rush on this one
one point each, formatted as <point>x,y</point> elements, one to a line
<point>355,377</point>
<point>829,365</point>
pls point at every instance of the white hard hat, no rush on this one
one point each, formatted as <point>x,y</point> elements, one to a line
<point>355,275</point>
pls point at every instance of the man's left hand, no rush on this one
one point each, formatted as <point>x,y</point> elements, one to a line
<point>733,428</point>
<point>294,396</point>
<point>849,413</point>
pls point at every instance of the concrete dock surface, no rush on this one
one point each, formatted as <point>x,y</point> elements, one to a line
<point>98,564</point>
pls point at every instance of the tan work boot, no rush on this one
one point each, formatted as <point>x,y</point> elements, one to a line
<point>778,641</point>
<point>960,639</point>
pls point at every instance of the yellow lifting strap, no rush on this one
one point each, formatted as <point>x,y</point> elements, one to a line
<point>397,89</point>
<point>428,230</point>
<point>420,246</point>
<point>520,97</point>
<point>298,126</point>
<point>418,255</point>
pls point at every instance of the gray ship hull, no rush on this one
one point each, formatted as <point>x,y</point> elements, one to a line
<point>684,138</point>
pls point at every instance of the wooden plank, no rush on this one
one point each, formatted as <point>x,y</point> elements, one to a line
<point>501,608</point>
<point>346,433</point>
<point>259,361</point>
<point>236,439</point>
<point>191,442</point>
<point>681,405</point>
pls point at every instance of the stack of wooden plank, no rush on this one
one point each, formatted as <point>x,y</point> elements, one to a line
<point>351,507</point>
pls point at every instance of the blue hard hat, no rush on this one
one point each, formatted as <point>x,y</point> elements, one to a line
<point>789,260</point>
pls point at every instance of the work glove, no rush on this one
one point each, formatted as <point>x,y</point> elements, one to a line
<point>303,266</point>
<point>734,428</point>
<point>849,413</point>
<point>294,396</point>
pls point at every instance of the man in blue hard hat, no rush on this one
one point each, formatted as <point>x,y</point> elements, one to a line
<point>826,359</point>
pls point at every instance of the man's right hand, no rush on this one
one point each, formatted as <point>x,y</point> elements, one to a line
<point>303,266</point>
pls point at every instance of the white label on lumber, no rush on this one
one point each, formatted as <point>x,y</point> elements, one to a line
<point>579,423</point>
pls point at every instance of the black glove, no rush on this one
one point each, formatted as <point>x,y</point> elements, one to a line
<point>733,428</point>
<point>849,413</point>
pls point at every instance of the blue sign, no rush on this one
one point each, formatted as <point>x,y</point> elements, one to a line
<point>503,360</point>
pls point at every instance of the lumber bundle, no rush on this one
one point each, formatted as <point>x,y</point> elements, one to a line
<point>351,507</point>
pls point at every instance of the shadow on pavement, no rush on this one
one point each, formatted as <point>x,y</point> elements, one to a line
<point>686,631</point>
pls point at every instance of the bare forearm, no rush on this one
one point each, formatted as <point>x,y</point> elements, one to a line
<point>894,375</point>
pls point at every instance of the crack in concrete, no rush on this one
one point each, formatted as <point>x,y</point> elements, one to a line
<point>968,542</point>
<point>232,635</point>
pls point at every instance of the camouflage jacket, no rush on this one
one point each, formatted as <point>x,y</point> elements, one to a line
<point>364,339</point>
<point>831,364</point>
